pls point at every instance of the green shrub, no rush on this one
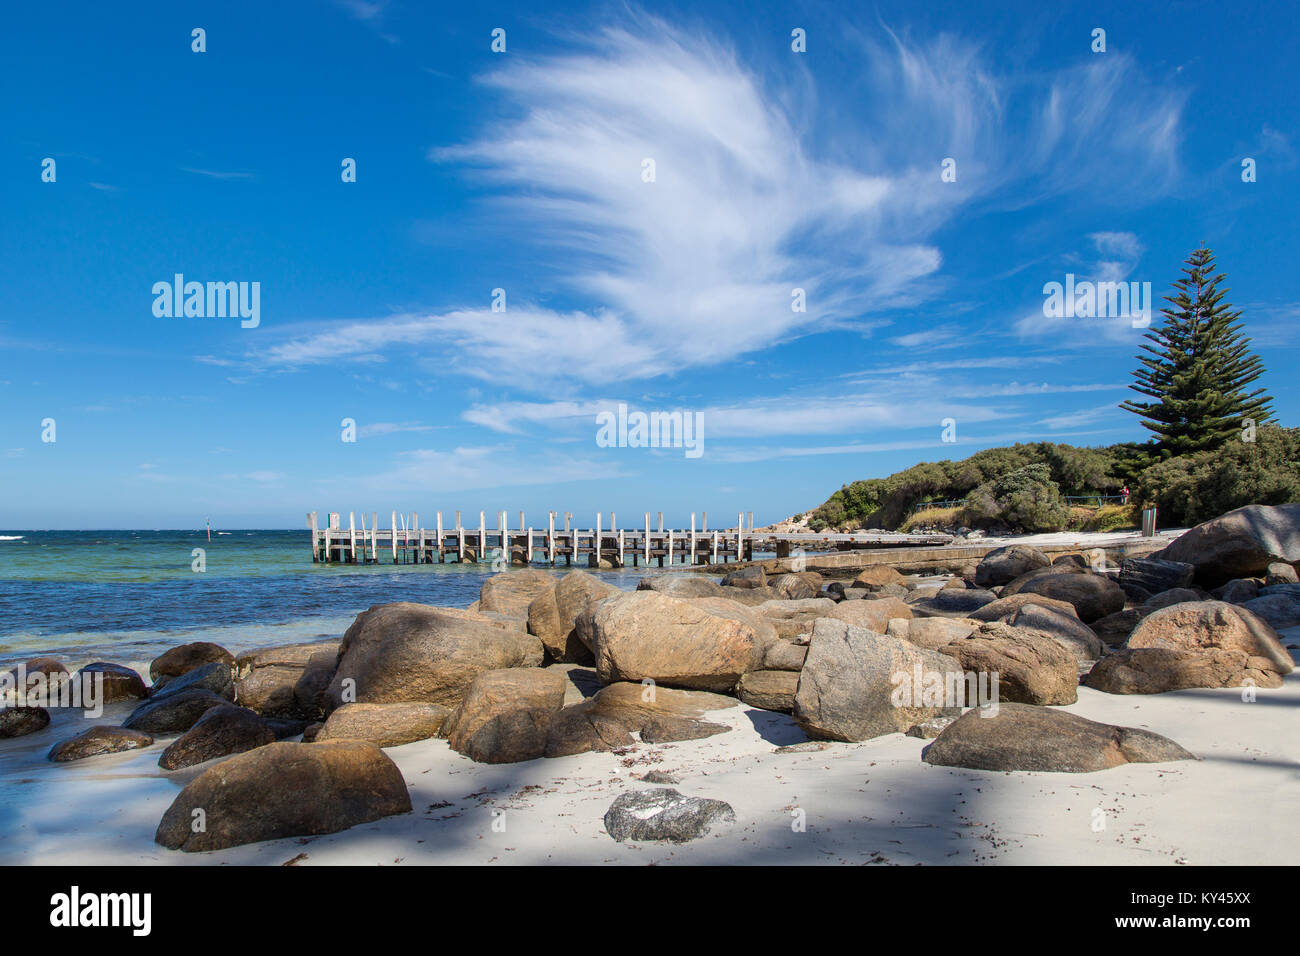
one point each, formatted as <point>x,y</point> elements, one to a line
<point>1193,488</point>
<point>1027,499</point>
<point>1187,489</point>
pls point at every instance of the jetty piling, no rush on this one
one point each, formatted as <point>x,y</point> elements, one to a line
<point>405,541</point>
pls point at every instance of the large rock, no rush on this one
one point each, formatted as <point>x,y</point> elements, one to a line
<point>1142,578</point>
<point>874,615</point>
<point>880,576</point>
<point>1031,667</point>
<point>220,732</point>
<point>1023,737</point>
<point>1200,644</point>
<point>287,681</point>
<point>285,790</point>
<point>751,577</point>
<point>213,677</point>
<point>753,597</point>
<point>580,728</point>
<point>98,740</point>
<point>415,652</point>
<point>658,714</point>
<point>1237,591</point>
<point>1114,629</point>
<point>181,660</point>
<point>793,587</point>
<point>511,592</point>
<point>1092,595</point>
<point>932,633</point>
<point>857,684</point>
<point>554,613</point>
<point>1281,609</point>
<point>1280,573</point>
<point>684,585</point>
<point>1213,624</point>
<point>792,620</point>
<point>769,690</point>
<point>662,729</point>
<point>785,656</point>
<point>950,602</point>
<point>1005,607</point>
<point>663,815</point>
<point>384,725</point>
<point>506,715</point>
<point>173,714</point>
<point>36,681</point>
<point>1157,670</point>
<point>21,721</point>
<point>1066,629</point>
<point>1239,544</point>
<point>119,683</point>
<point>1172,596</point>
<point>1004,565</point>
<point>647,634</point>
<point>763,625</point>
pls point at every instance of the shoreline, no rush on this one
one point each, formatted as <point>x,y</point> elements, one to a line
<point>871,802</point>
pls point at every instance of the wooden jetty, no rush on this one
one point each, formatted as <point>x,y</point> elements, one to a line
<point>406,541</point>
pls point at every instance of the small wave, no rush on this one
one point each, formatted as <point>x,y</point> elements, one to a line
<point>11,537</point>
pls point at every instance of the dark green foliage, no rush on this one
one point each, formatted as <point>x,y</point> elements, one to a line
<point>886,502</point>
<point>1193,488</point>
<point>1026,499</point>
<point>1187,489</point>
<point>1199,367</point>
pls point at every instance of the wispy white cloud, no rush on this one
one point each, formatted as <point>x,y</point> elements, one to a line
<point>750,198</point>
<point>1084,416</point>
<point>489,466</point>
<point>217,174</point>
<point>379,429</point>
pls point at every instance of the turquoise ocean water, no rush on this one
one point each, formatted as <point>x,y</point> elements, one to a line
<point>128,595</point>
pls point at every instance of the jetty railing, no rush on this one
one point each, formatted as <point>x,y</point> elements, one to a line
<point>406,541</point>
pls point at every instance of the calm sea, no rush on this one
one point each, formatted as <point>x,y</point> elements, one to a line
<point>129,595</point>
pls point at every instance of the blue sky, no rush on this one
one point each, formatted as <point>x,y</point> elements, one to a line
<point>523,171</point>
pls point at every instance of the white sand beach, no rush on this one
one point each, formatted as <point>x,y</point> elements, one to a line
<point>871,802</point>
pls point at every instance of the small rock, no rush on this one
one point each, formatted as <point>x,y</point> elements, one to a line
<point>21,721</point>
<point>664,816</point>
<point>179,661</point>
<point>120,683</point>
<point>658,776</point>
<point>98,740</point>
<point>929,729</point>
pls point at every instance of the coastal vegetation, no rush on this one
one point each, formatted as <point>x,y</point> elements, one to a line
<point>1214,448</point>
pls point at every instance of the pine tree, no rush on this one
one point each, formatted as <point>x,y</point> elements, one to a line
<point>1199,367</point>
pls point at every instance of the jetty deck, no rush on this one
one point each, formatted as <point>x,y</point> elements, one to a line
<point>406,541</point>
